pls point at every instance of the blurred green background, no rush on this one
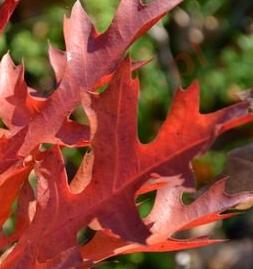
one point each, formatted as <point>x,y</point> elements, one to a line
<point>207,40</point>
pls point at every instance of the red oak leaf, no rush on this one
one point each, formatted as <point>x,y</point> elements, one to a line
<point>24,216</point>
<point>123,165</point>
<point>9,189</point>
<point>53,199</point>
<point>119,167</point>
<point>6,10</point>
<point>85,50</point>
<point>176,217</point>
<point>20,109</point>
<point>106,244</point>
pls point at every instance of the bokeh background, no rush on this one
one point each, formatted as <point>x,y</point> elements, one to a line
<point>207,40</point>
